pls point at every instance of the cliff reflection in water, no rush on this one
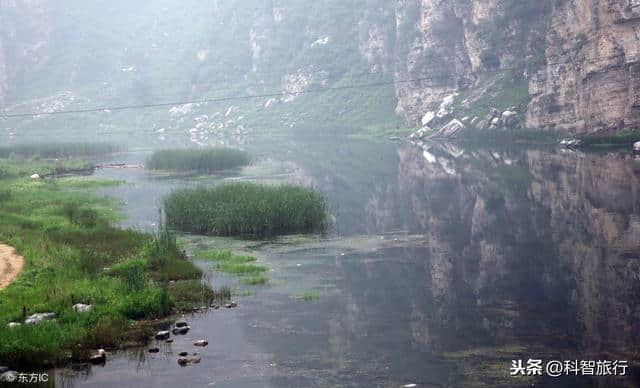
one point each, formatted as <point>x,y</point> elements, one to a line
<point>526,245</point>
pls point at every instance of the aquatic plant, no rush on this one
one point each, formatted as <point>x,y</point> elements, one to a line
<point>198,160</point>
<point>228,262</point>
<point>246,209</point>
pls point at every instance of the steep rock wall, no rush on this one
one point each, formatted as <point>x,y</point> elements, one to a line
<point>578,57</point>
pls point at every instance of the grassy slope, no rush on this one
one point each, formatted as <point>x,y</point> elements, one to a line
<point>68,260</point>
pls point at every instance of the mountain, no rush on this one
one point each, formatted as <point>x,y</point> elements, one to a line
<point>572,65</point>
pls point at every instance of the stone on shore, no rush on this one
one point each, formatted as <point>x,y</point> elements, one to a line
<point>37,318</point>
<point>82,308</point>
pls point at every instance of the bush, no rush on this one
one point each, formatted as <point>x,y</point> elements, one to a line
<point>204,161</point>
<point>246,209</point>
<point>80,216</point>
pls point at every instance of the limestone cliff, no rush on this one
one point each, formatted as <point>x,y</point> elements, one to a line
<point>579,60</point>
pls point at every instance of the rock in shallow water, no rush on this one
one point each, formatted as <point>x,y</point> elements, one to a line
<point>180,330</point>
<point>154,350</point>
<point>181,323</point>
<point>201,343</point>
<point>99,358</point>
<point>231,305</point>
<point>636,146</point>
<point>162,335</point>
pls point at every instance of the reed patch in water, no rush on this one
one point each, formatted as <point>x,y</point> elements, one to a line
<point>247,209</point>
<point>197,160</point>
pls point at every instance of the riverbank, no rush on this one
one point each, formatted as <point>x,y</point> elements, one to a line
<point>74,258</point>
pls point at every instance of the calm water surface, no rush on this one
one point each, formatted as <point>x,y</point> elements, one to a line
<point>444,263</point>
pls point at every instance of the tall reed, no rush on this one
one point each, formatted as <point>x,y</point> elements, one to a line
<point>198,160</point>
<point>246,209</point>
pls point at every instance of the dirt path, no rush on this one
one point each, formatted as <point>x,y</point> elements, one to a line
<point>10,265</point>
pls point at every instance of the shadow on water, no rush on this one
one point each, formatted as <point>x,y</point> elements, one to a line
<point>445,264</point>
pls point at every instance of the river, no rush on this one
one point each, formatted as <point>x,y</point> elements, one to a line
<point>444,264</point>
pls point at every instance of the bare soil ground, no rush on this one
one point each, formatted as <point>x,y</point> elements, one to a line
<point>10,265</point>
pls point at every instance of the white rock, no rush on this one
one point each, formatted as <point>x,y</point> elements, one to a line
<point>37,318</point>
<point>428,117</point>
<point>429,157</point>
<point>35,176</point>
<point>451,128</point>
<point>82,308</point>
<point>636,146</point>
<point>11,325</point>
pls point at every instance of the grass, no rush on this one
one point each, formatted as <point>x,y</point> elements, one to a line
<point>254,280</point>
<point>228,262</point>
<point>74,255</point>
<point>246,209</point>
<point>198,160</point>
<point>13,168</point>
<point>308,296</point>
<point>58,150</point>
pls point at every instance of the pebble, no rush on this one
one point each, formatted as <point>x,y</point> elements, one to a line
<point>183,361</point>
<point>231,305</point>
<point>170,340</point>
<point>154,350</point>
<point>162,335</point>
<point>183,354</point>
<point>180,330</point>
<point>201,343</point>
<point>181,323</point>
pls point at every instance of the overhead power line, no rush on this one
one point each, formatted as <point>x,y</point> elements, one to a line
<point>209,100</point>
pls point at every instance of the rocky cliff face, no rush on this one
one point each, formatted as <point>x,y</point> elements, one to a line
<point>577,58</point>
